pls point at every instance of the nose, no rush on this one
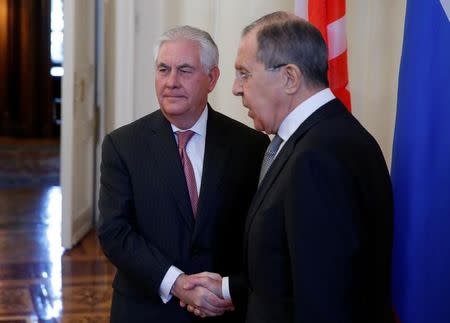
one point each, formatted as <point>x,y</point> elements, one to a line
<point>172,79</point>
<point>237,87</point>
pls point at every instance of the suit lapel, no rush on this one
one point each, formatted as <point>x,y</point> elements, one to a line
<point>216,151</point>
<point>171,172</point>
<point>283,156</point>
<point>268,180</point>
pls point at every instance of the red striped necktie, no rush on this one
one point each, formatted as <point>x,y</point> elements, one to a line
<point>183,138</point>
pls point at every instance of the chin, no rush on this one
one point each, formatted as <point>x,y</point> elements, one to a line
<point>173,109</point>
<point>258,126</point>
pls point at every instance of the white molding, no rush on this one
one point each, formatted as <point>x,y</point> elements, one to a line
<point>124,62</point>
<point>67,108</point>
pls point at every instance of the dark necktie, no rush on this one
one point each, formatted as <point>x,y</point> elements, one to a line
<point>183,138</point>
<point>269,156</point>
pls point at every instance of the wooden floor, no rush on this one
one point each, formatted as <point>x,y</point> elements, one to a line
<point>39,282</point>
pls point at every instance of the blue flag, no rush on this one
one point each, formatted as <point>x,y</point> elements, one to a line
<point>421,167</point>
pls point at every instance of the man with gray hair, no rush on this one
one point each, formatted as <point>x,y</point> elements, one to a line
<point>175,189</point>
<point>318,236</point>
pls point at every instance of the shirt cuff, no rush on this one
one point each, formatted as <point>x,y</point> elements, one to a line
<point>226,289</point>
<point>167,283</point>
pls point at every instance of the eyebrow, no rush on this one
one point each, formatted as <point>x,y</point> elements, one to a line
<point>240,67</point>
<point>185,65</point>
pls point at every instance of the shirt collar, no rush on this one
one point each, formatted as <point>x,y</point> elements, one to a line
<point>297,116</point>
<point>199,127</point>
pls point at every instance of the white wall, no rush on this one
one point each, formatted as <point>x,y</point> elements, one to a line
<point>150,23</point>
<point>374,32</point>
<point>233,16</point>
<point>375,37</point>
<point>224,20</point>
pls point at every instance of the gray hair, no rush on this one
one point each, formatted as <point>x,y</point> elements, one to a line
<point>209,54</point>
<point>284,38</point>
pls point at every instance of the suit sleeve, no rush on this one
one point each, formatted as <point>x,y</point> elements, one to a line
<point>237,283</point>
<point>238,289</point>
<point>133,256</point>
<point>322,238</point>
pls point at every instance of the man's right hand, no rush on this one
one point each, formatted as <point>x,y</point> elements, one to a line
<point>201,300</point>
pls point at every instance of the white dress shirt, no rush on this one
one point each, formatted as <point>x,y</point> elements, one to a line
<point>195,149</point>
<point>287,127</point>
<point>297,116</point>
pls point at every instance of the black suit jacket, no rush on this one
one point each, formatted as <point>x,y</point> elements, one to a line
<point>318,236</point>
<point>146,221</point>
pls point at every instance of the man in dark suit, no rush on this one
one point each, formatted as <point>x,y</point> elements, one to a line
<point>318,236</point>
<point>175,190</point>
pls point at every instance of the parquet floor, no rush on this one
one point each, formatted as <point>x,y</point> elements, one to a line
<point>39,281</point>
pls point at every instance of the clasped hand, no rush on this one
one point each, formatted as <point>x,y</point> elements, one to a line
<point>201,294</point>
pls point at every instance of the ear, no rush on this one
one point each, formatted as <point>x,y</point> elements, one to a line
<point>213,75</point>
<point>293,77</point>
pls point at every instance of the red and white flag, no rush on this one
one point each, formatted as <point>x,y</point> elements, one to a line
<point>329,17</point>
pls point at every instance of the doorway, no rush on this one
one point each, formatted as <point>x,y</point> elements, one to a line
<point>30,119</point>
<point>30,93</point>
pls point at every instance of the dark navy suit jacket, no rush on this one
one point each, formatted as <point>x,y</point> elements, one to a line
<point>146,221</point>
<point>318,236</point>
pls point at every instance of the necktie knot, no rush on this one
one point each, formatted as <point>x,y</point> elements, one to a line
<point>274,145</point>
<point>184,137</point>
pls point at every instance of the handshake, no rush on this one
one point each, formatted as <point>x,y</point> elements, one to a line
<point>201,294</point>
